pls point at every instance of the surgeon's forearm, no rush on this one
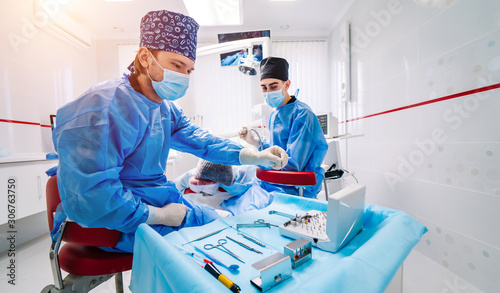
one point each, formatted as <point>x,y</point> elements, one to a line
<point>103,206</point>
<point>191,139</point>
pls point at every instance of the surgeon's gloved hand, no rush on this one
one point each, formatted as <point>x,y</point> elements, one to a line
<point>171,214</point>
<point>274,157</point>
<point>249,137</point>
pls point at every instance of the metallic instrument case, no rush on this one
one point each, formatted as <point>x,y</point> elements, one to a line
<point>273,269</point>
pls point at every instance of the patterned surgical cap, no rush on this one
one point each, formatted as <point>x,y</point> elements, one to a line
<point>169,31</point>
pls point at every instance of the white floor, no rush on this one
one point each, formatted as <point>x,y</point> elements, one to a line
<point>33,270</point>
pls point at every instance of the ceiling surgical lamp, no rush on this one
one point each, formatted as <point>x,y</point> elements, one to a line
<point>247,65</point>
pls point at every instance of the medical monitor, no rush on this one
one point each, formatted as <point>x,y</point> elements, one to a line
<point>329,124</point>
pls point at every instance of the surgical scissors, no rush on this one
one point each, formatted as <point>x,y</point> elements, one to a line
<point>220,246</point>
<point>256,224</point>
<point>261,221</point>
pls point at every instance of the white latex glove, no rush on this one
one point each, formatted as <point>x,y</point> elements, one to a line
<point>170,215</point>
<point>248,136</point>
<point>274,157</point>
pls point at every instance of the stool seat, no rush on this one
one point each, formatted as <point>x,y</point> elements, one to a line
<point>297,178</point>
<point>78,235</point>
<point>92,261</point>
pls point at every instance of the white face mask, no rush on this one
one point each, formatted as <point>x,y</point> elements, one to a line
<point>173,86</point>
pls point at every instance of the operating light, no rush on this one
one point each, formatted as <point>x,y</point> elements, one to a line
<point>215,12</point>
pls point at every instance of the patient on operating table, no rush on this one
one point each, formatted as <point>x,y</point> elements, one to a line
<point>231,188</point>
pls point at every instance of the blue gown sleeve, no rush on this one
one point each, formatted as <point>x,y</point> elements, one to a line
<point>92,146</point>
<point>301,141</point>
<point>189,138</point>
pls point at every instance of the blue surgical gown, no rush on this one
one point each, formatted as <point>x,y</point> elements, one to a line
<point>295,128</point>
<point>113,145</point>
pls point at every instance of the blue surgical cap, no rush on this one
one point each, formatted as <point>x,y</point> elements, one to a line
<point>169,31</point>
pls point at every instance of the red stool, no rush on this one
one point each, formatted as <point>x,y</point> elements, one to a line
<point>299,179</point>
<point>87,265</point>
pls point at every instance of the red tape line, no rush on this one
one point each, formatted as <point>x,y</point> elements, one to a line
<point>453,96</point>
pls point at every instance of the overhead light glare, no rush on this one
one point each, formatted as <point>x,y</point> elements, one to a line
<point>215,12</point>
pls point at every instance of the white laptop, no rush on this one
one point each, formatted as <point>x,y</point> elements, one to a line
<point>332,229</point>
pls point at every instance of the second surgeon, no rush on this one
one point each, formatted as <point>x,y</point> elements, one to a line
<point>293,127</point>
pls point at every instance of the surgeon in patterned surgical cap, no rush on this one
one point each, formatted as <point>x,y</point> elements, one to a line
<point>113,141</point>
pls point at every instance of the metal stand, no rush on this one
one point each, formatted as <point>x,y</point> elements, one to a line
<point>74,283</point>
<point>80,284</point>
<point>301,190</point>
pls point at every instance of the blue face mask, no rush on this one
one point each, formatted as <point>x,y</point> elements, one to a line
<point>173,86</point>
<point>274,98</point>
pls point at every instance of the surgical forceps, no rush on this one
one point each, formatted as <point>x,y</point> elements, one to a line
<point>244,245</point>
<point>220,246</point>
<point>256,224</point>
<point>281,214</point>
<point>205,236</point>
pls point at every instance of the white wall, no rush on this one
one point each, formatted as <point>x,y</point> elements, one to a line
<point>439,162</point>
<point>308,72</point>
<point>221,94</point>
<point>112,55</point>
<point>39,73</point>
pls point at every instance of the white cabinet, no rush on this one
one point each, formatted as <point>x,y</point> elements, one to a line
<point>30,180</point>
